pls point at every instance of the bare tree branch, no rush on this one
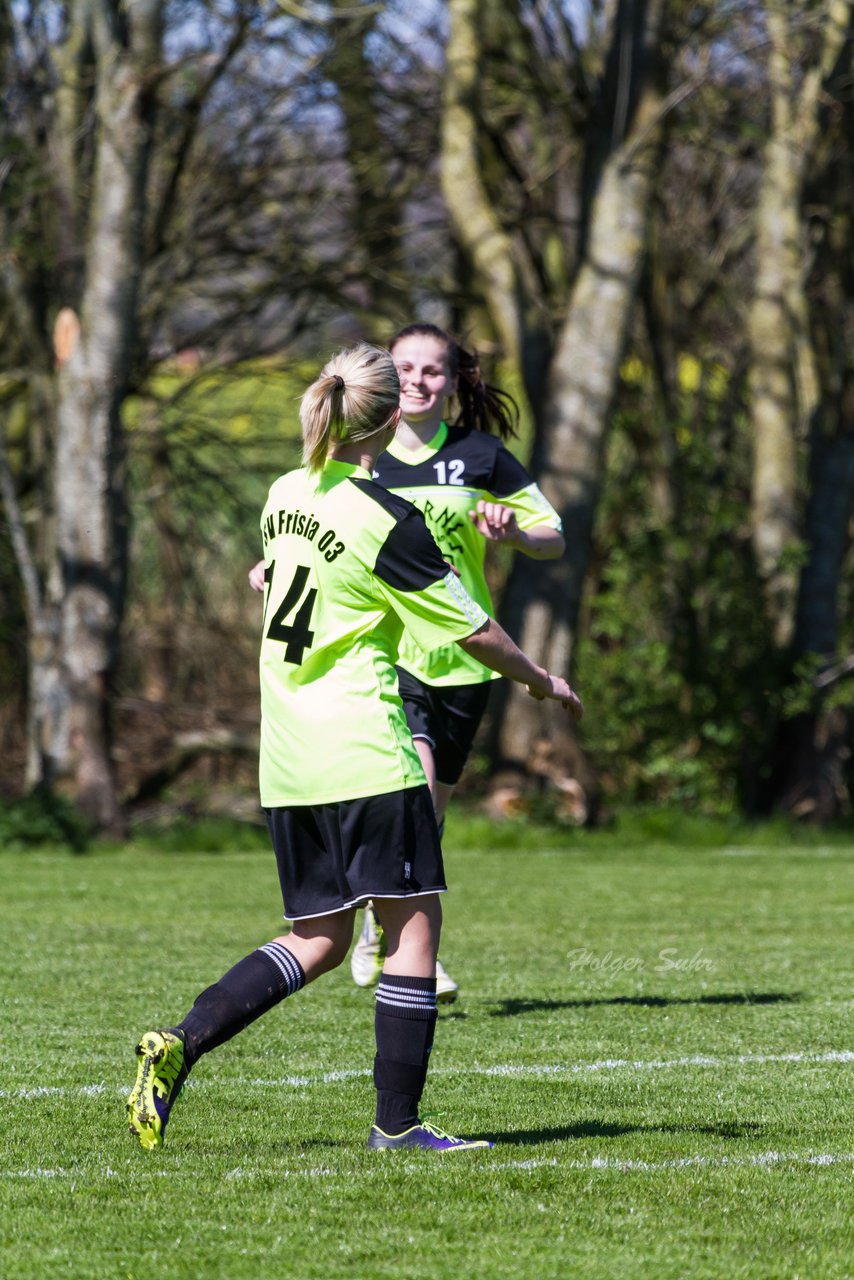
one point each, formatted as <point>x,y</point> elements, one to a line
<point>17,531</point>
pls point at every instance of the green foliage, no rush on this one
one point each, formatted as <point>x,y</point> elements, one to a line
<point>205,448</point>
<point>42,818</point>
<point>204,835</point>
<point>680,676</point>
<point>677,825</point>
<point>639,826</point>
<point>209,446</point>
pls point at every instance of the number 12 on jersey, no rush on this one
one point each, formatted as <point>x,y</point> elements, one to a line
<point>452,473</point>
<point>296,634</point>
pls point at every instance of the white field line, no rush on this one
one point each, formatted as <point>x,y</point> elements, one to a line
<point>764,1159</point>
<point>509,1070</point>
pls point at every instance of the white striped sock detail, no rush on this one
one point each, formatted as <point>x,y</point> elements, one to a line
<point>287,964</point>
<point>394,996</point>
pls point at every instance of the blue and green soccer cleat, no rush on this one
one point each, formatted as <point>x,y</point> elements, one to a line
<point>423,1136</point>
<point>159,1078</point>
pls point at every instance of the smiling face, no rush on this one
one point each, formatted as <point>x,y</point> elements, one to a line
<point>423,366</point>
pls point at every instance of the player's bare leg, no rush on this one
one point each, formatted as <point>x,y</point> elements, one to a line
<point>320,944</point>
<point>412,927</point>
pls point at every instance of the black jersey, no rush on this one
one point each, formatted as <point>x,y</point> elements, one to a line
<point>445,479</point>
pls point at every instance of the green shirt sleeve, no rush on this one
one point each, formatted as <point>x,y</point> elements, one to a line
<point>532,509</point>
<point>437,614</point>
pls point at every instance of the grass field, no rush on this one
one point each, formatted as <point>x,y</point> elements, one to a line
<point>657,1034</point>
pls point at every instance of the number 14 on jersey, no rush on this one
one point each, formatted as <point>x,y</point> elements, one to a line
<point>296,635</point>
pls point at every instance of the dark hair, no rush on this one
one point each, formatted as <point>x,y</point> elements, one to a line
<point>482,406</point>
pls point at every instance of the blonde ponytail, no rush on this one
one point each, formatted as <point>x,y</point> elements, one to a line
<point>355,396</point>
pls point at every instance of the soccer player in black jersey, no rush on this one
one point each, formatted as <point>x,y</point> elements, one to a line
<point>471,491</point>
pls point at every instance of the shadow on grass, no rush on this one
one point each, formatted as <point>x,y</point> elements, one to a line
<point>601,1129</point>
<point>511,1008</point>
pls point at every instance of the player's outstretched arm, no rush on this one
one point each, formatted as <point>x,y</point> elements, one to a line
<point>492,646</point>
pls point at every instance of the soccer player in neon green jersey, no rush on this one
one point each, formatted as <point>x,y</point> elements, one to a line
<point>347,564</point>
<point>471,491</point>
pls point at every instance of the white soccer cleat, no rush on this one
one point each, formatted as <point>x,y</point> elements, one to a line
<point>446,989</point>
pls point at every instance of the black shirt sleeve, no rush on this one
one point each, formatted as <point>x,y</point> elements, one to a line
<point>409,559</point>
<point>508,475</point>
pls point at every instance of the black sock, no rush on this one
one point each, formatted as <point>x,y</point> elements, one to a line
<point>254,985</point>
<point>404,1023</point>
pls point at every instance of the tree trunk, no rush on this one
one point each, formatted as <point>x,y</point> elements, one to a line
<point>774,401</point>
<point>829,512</point>
<point>783,378</point>
<point>815,746</point>
<point>379,216</point>
<point>500,263</point>
<point>44,663</point>
<point>70,720</point>
<point>542,600</point>
<point>802,374</point>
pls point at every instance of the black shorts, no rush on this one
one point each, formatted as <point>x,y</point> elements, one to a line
<point>447,716</point>
<point>335,856</point>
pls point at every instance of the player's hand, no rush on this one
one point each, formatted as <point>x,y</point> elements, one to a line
<point>559,690</point>
<point>495,522</point>
<point>256,576</point>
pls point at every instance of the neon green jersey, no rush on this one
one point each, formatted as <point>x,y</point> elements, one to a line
<point>445,479</point>
<point>348,565</point>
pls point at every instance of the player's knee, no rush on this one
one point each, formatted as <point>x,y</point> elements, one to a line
<point>322,951</point>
